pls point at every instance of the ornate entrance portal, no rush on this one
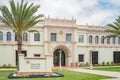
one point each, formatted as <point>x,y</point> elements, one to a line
<point>56,60</point>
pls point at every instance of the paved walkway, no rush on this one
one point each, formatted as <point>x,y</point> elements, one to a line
<point>105,73</point>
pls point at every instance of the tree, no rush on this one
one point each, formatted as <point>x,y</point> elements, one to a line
<point>114,29</point>
<point>20,18</point>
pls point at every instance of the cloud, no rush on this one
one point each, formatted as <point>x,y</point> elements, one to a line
<point>92,12</point>
<point>116,2</point>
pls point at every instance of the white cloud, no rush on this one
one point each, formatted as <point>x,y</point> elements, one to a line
<point>99,17</point>
<point>85,11</point>
<point>116,2</point>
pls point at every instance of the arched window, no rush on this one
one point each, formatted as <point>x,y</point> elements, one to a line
<point>90,39</point>
<point>16,37</point>
<point>8,36</point>
<point>1,35</point>
<point>108,40</point>
<point>113,40</point>
<point>96,39</point>
<point>36,37</point>
<point>118,40</point>
<point>102,39</point>
<point>25,37</point>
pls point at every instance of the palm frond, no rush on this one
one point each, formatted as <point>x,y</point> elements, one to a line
<point>114,29</point>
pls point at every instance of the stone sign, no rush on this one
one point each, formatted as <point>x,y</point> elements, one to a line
<point>35,64</point>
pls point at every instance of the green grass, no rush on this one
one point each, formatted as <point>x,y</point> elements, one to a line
<point>69,75</point>
<point>115,69</point>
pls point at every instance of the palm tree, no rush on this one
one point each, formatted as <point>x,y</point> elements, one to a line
<point>114,29</point>
<point>20,18</point>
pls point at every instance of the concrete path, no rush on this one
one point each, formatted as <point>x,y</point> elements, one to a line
<point>105,73</point>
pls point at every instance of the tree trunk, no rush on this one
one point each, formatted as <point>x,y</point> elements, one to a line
<point>19,49</point>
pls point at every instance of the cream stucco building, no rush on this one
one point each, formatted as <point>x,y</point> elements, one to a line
<point>75,41</point>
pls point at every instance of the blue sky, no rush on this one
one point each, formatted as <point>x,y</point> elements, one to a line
<point>91,12</point>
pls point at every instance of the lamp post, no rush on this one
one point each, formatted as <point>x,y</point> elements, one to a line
<point>60,52</point>
<point>91,66</point>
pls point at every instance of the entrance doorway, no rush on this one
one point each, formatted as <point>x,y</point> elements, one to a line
<point>116,57</point>
<point>95,57</point>
<point>57,56</point>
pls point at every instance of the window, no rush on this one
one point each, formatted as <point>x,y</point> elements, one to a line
<point>118,40</point>
<point>25,37</point>
<point>16,37</point>
<point>81,38</point>
<point>90,39</point>
<point>116,56</point>
<point>81,58</point>
<point>1,35</point>
<point>53,36</point>
<point>108,40</point>
<point>113,40</point>
<point>8,36</point>
<point>68,37</point>
<point>102,39</point>
<point>36,37</point>
<point>96,39</point>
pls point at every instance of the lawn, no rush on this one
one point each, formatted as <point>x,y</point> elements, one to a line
<point>69,75</point>
<point>115,69</point>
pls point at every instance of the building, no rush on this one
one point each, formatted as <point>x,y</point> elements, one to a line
<point>77,43</point>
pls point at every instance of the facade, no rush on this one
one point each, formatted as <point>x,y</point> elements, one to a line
<point>77,43</point>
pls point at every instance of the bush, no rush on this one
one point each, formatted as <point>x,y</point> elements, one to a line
<point>9,65</point>
<point>82,65</point>
<point>87,64</point>
<point>103,63</point>
<point>112,63</point>
<point>4,65</point>
<point>108,64</point>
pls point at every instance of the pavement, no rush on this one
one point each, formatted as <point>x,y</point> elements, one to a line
<point>98,72</point>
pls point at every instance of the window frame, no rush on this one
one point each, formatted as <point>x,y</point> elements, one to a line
<point>25,36</point>
<point>81,38</point>
<point>81,59</point>
<point>53,36</point>
<point>1,36</point>
<point>8,37</point>
<point>68,37</point>
<point>90,39</point>
<point>36,36</point>
<point>113,40</point>
<point>96,39</point>
<point>102,40</point>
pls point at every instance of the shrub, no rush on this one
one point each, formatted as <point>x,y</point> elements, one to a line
<point>87,64</point>
<point>103,63</point>
<point>9,65</point>
<point>108,64</point>
<point>81,65</point>
<point>112,63</point>
<point>4,65</point>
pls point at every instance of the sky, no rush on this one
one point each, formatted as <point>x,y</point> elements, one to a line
<point>86,12</point>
